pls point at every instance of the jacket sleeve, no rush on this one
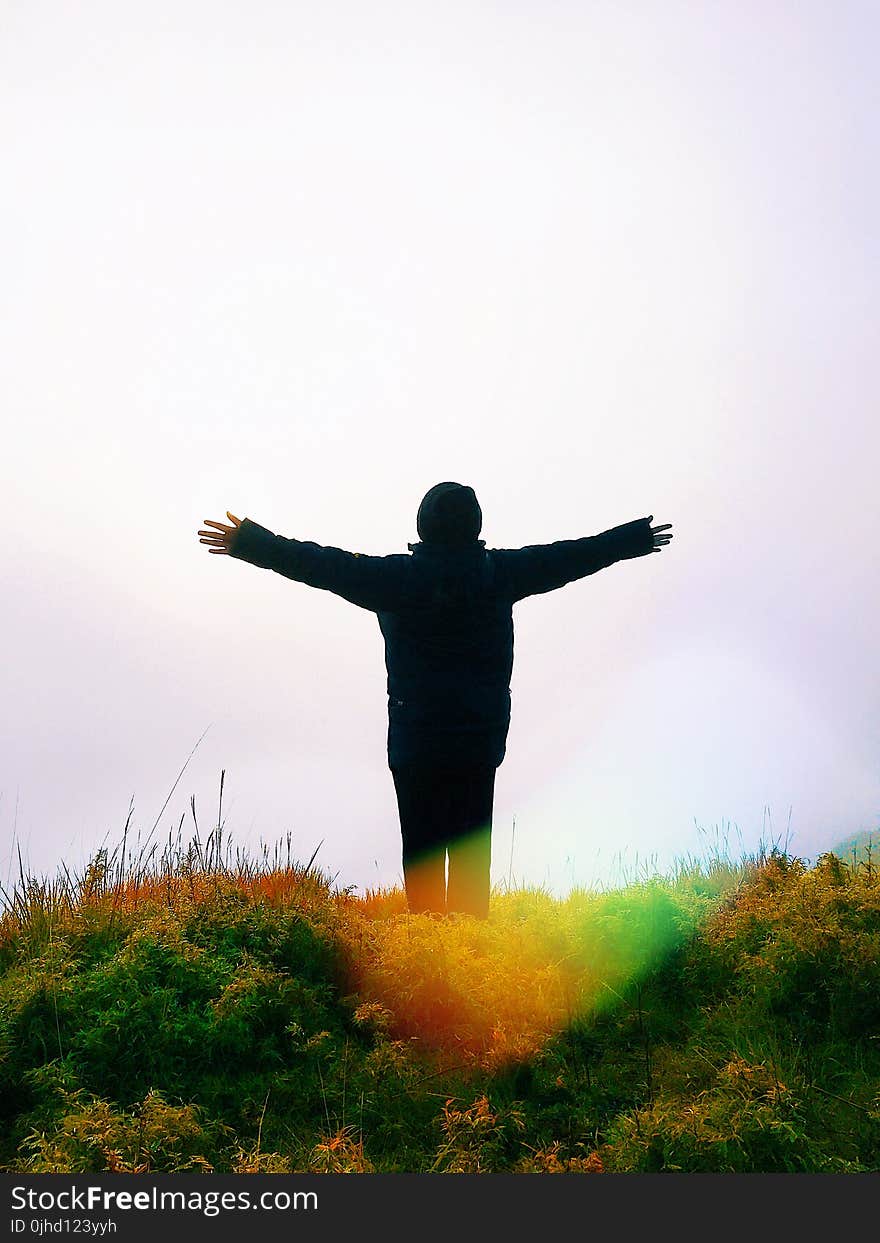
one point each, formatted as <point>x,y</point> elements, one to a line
<point>538,568</point>
<point>370,582</point>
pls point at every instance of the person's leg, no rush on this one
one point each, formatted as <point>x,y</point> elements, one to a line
<point>470,843</point>
<point>420,803</point>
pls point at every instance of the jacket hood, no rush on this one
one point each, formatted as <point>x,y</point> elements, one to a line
<point>449,514</point>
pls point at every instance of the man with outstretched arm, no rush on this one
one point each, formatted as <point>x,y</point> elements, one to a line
<point>445,612</point>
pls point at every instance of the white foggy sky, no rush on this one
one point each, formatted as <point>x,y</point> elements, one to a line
<point>304,261</point>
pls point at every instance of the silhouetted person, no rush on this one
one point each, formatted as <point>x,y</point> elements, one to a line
<point>446,616</point>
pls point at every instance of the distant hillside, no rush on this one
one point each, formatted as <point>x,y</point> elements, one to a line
<point>860,847</point>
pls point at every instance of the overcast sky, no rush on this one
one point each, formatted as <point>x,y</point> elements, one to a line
<point>302,262</point>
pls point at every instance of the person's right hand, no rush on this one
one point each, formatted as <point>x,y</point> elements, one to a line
<point>659,539</point>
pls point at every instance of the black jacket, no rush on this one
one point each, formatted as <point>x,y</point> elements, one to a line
<point>446,616</point>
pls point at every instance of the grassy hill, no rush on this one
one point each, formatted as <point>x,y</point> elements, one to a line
<point>861,847</point>
<point>199,1015</point>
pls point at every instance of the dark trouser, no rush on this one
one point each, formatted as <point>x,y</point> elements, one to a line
<point>446,810</point>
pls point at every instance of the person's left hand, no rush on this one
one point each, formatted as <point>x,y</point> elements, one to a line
<point>222,539</point>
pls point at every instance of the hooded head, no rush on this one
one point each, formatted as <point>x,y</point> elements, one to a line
<point>449,514</point>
